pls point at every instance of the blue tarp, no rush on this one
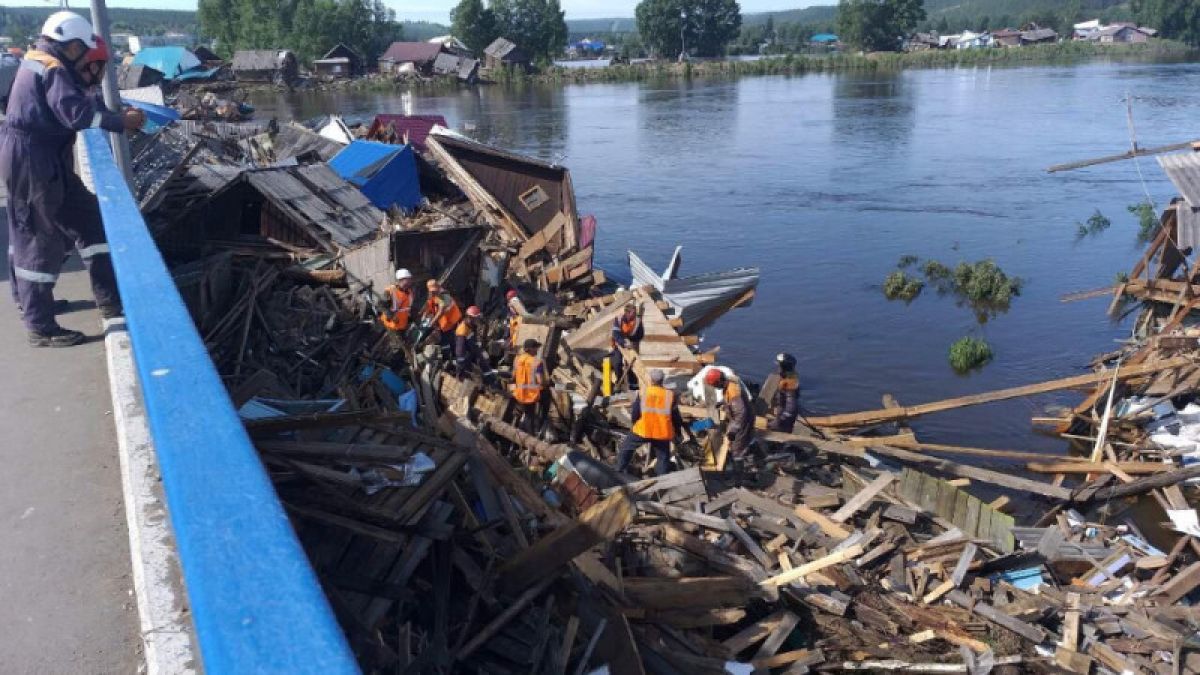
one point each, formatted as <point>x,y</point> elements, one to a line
<point>386,174</point>
<point>824,37</point>
<point>198,74</point>
<point>170,61</point>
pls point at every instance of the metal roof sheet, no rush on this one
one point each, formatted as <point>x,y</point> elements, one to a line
<point>411,52</point>
<point>1184,171</point>
<point>315,197</point>
<point>416,127</point>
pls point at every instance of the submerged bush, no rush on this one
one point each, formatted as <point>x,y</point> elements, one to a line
<point>984,282</point>
<point>907,261</point>
<point>900,286</point>
<point>1147,221</point>
<point>969,353</point>
<point>1096,223</point>
<point>936,271</point>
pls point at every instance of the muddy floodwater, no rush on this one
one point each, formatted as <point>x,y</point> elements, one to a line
<point>825,181</point>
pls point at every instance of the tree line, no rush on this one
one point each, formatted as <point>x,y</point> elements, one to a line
<point>538,26</point>
<point>307,27</point>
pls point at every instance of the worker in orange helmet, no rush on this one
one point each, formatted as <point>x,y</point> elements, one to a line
<point>656,420</point>
<point>627,331</point>
<point>740,410</point>
<point>441,313</point>
<point>466,345</point>
<point>90,68</point>
<point>402,301</point>
<point>529,386</point>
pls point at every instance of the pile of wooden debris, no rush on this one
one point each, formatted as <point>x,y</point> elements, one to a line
<point>450,540</point>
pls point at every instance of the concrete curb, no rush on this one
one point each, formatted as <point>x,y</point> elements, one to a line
<point>165,624</point>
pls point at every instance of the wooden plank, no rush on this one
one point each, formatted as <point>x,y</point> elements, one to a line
<point>754,633</point>
<point>1184,582</point>
<point>827,526</point>
<point>964,564</point>
<point>676,513</point>
<point>806,656</point>
<point>975,473</point>
<point>1133,468</point>
<point>787,577</point>
<point>1025,630</point>
<point>775,640</point>
<point>659,593</point>
<point>599,523</point>
<point>863,497</point>
<point>872,417</point>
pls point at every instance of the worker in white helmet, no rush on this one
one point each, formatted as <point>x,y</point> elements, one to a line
<point>48,205</point>
<point>402,301</point>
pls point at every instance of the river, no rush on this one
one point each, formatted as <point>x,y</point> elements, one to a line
<point>824,181</point>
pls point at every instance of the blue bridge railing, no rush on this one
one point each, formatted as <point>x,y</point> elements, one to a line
<point>255,600</point>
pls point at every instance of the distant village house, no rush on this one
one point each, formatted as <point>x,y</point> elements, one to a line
<point>341,62</point>
<point>265,65</point>
<point>504,53</point>
<point>409,56</point>
<point>451,45</point>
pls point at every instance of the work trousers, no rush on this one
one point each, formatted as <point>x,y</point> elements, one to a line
<point>43,216</point>
<point>528,416</point>
<point>632,442</point>
<point>784,422</point>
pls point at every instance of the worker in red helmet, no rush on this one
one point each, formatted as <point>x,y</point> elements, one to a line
<point>466,343</point>
<point>740,428</point>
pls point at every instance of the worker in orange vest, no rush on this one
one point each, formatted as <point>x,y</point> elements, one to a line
<point>441,313</point>
<point>656,420</point>
<point>466,346</point>
<point>785,404</point>
<point>627,331</point>
<point>529,385</point>
<point>402,302</point>
<point>515,310</point>
<point>740,410</point>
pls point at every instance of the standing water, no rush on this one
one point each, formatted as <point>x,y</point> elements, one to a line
<point>825,181</point>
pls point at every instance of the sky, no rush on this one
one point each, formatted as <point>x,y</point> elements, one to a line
<point>439,10</point>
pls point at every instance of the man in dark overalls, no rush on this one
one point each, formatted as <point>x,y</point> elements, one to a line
<point>48,205</point>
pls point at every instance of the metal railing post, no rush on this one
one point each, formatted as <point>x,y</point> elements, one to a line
<point>112,97</point>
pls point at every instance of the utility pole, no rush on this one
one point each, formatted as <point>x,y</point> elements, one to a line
<point>683,35</point>
<point>112,97</point>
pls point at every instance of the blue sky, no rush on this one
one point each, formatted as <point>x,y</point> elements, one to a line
<point>439,10</point>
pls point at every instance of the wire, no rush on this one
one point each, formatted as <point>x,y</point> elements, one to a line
<point>1141,177</point>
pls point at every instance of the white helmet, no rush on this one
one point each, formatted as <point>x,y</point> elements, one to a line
<point>402,274</point>
<point>67,26</point>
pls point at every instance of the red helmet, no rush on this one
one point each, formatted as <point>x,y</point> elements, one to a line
<point>511,294</point>
<point>473,311</point>
<point>714,377</point>
<point>97,53</point>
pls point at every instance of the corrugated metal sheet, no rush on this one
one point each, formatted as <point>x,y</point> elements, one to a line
<point>316,199</point>
<point>418,53</point>
<point>256,59</point>
<point>693,298</point>
<point>1184,171</point>
<point>394,128</point>
<point>499,48</point>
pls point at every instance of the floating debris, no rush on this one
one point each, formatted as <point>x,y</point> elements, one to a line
<point>968,353</point>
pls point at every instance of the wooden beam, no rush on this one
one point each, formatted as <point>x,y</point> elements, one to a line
<point>871,417</point>
<point>863,497</point>
<point>1128,154</point>
<point>1099,467</point>
<point>599,523</point>
<point>788,576</point>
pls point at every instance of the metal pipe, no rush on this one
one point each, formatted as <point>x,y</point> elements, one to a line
<point>112,97</point>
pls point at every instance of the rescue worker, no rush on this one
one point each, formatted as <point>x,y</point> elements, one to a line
<point>529,385</point>
<point>656,420</point>
<point>466,345</point>
<point>740,430</point>
<point>402,301</point>
<point>785,405</point>
<point>515,310</point>
<point>48,204</point>
<point>626,331</point>
<point>441,313</point>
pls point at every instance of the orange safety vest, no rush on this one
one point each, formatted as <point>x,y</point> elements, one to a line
<point>527,384</point>
<point>655,422</point>
<point>789,382</point>
<point>449,318</point>
<point>628,328</point>
<point>464,329</point>
<point>402,300</point>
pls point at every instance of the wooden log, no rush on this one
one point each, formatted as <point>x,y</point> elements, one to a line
<point>1137,487</point>
<point>1100,467</point>
<point>599,523</point>
<point>550,452</point>
<point>872,417</point>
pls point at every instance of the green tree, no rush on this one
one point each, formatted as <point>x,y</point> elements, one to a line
<point>218,20</point>
<point>537,26</point>
<point>474,24</point>
<point>1175,19</point>
<point>707,25</point>
<point>943,26</point>
<point>877,25</point>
